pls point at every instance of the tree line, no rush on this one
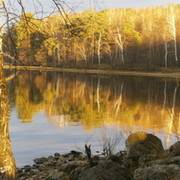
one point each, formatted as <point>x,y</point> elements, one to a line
<point>112,38</point>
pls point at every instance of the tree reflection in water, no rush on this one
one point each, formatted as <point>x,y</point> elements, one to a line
<point>94,101</point>
<point>7,162</point>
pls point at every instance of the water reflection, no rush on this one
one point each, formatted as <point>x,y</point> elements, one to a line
<point>93,101</point>
<point>7,162</point>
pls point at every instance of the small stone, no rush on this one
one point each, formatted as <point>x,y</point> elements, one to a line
<point>75,153</point>
<point>35,171</point>
<point>19,170</point>
<point>22,174</point>
<point>42,167</point>
<point>40,160</point>
<point>35,166</point>
<point>22,178</point>
<point>52,163</point>
<point>34,176</point>
<point>50,157</point>
<point>174,160</point>
<point>70,157</point>
<point>27,168</point>
<point>57,154</point>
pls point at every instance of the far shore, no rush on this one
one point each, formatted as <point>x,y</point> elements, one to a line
<point>98,71</point>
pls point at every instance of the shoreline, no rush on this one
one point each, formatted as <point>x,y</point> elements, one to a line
<point>144,158</point>
<point>99,71</point>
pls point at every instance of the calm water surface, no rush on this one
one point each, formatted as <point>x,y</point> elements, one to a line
<point>56,112</point>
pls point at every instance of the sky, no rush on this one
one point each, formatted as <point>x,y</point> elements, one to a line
<point>81,5</point>
<point>105,4</point>
<point>77,6</point>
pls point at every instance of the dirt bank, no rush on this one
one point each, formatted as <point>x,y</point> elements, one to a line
<point>99,71</point>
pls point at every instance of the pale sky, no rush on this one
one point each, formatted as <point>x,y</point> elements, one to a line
<point>81,5</point>
<point>105,4</point>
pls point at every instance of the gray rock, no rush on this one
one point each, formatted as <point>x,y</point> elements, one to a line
<point>27,168</point>
<point>50,157</point>
<point>56,154</point>
<point>105,171</point>
<point>42,167</point>
<point>142,143</point>
<point>52,163</point>
<point>70,166</point>
<point>150,160</point>
<point>174,160</point>
<point>18,170</point>
<point>76,153</point>
<point>75,173</point>
<point>23,178</point>
<point>115,174</point>
<point>158,172</point>
<point>35,171</point>
<point>115,159</point>
<point>40,160</point>
<point>174,150</point>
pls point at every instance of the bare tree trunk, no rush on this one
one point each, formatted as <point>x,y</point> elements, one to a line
<point>83,55</point>
<point>110,55</point>
<point>99,49</point>
<point>94,49</point>
<point>120,44</point>
<point>174,36</point>
<point>172,23</point>
<point>58,55</point>
<point>115,56</point>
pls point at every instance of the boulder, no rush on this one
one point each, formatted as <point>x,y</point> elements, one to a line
<point>142,143</point>
<point>105,171</point>
<point>174,150</point>
<point>158,172</point>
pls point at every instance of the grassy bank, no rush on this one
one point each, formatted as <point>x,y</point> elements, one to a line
<point>161,74</point>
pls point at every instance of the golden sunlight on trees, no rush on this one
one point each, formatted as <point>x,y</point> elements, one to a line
<point>96,101</point>
<point>121,38</point>
<point>7,162</point>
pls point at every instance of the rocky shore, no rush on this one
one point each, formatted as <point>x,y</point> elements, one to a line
<point>145,159</point>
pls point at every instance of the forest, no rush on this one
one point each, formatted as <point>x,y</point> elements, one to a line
<point>143,39</point>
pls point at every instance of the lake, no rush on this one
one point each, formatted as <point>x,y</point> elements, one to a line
<point>59,112</point>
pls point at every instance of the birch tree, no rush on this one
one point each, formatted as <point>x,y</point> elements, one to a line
<point>99,49</point>
<point>120,43</point>
<point>172,26</point>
